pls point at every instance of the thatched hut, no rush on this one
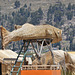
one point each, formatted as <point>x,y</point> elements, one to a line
<point>5,65</point>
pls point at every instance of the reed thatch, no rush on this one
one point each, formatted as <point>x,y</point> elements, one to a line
<point>17,26</point>
<point>29,31</point>
<point>8,54</point>
<point>47,58</point>
<point>7,64</point>
<point>59,58</point>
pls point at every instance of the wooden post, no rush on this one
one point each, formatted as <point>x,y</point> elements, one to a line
<point>50,48</point>
<point>35,50</point>
<point>25,48</point>
<point>24,52</point>
<point>2,39</point>
<point>41,48</point>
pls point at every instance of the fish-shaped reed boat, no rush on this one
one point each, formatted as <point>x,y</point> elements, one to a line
<point>29,31</point>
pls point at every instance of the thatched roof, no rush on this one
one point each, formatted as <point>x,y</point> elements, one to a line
<point>7,54</point>
<point>59,56</point>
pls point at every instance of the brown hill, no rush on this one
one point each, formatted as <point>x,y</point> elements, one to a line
<point>7,6</point>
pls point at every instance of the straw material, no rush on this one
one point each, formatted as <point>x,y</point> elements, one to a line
<point>8,54</point>
<point>17,26</point>
<point>58,58</point>
<point>7,64</point>
<point>29,31</point>
<point>69,58</point>
<point>71,68</point>
<point>59,55</point>
<point>47,58</point>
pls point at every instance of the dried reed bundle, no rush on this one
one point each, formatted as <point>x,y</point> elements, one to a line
<point>59,56</point>
<point>29,31</point>
<point>47,58</point>
<point>69,58</point>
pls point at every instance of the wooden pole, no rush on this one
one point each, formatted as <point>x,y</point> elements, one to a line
<point>35,50</point>
<point>50,49</point>
<point>2,39</point>
<point>25,48</point>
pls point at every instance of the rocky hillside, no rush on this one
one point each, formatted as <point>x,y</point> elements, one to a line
<point>7,6</point>
<point>59,13</point>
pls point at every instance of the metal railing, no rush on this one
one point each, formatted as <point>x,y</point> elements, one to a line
<point>40,67</point>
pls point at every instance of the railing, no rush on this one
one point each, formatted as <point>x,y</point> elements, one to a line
<point>40,67</point>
